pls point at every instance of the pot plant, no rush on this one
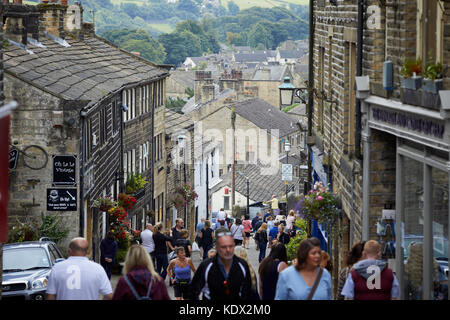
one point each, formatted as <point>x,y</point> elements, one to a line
<point>433,75</point>
<point>410,74</point>
<point>134,183</point>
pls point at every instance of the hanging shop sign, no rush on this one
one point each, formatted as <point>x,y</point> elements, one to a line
<point>64,170</point>
<point>61,199</point>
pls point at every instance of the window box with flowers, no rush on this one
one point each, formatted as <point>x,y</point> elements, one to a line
<point>104,203</point>
<point>411,81</point>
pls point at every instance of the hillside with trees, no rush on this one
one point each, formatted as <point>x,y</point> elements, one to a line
<point>193,27</point>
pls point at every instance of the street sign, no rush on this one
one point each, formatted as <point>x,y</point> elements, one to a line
<point>13,157</point>
<point>64,171</point>
<point>62,200</point>
<point>286,172</point>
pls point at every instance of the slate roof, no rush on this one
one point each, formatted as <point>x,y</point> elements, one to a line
<point>265,116</point>
<point>261,186</point>
<point>185,78</point>
<point>276,73</point>
<point>291,54</point>
<point>176,122</point>
<point>87,70</point>
<point>250,57</point>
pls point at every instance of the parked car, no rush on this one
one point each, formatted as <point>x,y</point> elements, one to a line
<point>26,267</point>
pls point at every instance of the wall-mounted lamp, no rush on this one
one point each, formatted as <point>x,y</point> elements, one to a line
<point>362,87</point>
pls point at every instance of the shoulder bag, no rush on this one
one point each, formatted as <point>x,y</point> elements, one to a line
<point>316,284</point>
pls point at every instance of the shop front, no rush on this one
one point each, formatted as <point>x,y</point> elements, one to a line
<point>421,167</point>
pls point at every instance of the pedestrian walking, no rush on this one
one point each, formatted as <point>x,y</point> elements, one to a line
<point>179,271</point>
<point>198,228</point>
<point>147,241</point>
<point>161,242</point>
<point>237,231</point>
<point>269,269</point>
<point>255,220</point>
<point>356,286</point>
<point>246,223</point>
<point>290,222</point>
<point>241,252</point>
<point>261,239</point>
<point>184,242</point>
<point>108,251</point>
<point>326,261</point>
<point>140,281</point>
<point>222,215</point>
<point>176,230</point>
<point>306,280</point>
<point>353,256</point>
<point>282,236</point>
<point>222,227</point>
<point>223,277</point>
<point>273,233</point>
<point>270,223</point>
<point>207,238</point>
<point>268,214</point>
<point>77,278</point>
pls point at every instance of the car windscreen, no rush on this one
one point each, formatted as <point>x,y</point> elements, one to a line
<point>20,259</point>
<point>440,246</point>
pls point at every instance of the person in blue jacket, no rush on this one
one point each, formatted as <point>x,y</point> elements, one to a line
<point>108,251</point>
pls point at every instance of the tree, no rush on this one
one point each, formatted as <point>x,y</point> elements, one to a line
<point>258,34</point>
<point>189,6</point>
<point>233,8</point>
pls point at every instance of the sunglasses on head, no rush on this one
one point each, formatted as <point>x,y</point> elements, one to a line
<point>221,234</point>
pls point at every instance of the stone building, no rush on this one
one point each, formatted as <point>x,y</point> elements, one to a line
<point>92,107</point>
<point>179,136</point>
<point>388,149</point>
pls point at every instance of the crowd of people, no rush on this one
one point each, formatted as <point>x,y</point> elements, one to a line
<point>225,272</point>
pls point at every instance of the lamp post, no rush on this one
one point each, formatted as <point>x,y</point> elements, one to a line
<point>182,145</point>
<point>287,148</point>
<point>248,192</point>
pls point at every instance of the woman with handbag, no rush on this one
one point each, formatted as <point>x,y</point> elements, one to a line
<point>306,280</point>
<point>179,271</point>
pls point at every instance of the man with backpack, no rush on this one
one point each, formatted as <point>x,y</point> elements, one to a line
<point>223,277</point>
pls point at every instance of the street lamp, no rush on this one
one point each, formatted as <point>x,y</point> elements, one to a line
<point>248,192</point>
<point>288,91</point>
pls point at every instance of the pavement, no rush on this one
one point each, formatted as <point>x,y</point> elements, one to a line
<point>252,254</point>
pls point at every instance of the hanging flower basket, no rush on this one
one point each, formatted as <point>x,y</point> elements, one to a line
<point>104,203</point>
<point>126,201</point>
<point>117,215</point>
<point>321,205</point>
<point>178,201</point>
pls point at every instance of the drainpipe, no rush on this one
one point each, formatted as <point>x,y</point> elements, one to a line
<point>310,85</point>
<point>83,115</point>
<point>152,193</point>
<point>359,61</point>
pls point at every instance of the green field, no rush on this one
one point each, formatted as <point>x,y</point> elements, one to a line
<point>245,4</point>
<point>163,27</point>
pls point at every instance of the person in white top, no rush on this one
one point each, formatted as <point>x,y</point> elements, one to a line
<point>290,221</point>
<point>147,240</point>
<point>237,232</point>
<point>78,278</point>
<point>222,215</point>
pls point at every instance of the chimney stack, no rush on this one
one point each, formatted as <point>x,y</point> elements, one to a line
<point>204,87</point>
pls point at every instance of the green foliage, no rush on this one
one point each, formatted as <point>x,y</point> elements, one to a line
<point>32,229</point>
<point>433,71</point>
<point>175,104</point>
<point>135,182</point>
<point>233,8</point>
<point>294,243</point>
<point>189,92</point>
<point>52,227</point>
<point>137,40</point>
<point>289,108</point>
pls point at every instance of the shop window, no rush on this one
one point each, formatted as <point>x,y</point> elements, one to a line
<point>413,229</point>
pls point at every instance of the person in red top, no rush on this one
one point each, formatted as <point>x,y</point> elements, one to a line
<point>139,271</point>
<point>247,224</point>
<point>370,278</point>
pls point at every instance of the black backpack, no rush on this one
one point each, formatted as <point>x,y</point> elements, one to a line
<point>138,297</point>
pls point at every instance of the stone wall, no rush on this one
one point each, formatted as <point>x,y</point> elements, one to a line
<point>32,124</point>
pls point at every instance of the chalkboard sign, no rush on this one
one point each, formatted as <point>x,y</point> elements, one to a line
<point>61,199</point>
<point>64,171</point>
<point>13,157</point>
